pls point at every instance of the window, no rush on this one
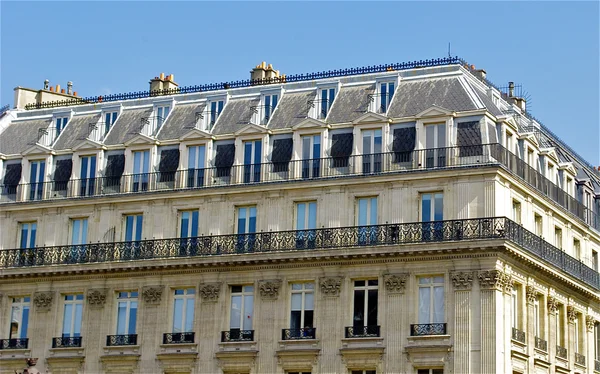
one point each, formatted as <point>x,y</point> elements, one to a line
<point>36,179</point>
<point>468,139</point>
<point>597,341</point>
<point>539,225</point>
<point>28,231</point>
<point>60,125</point>
<point>577,249</point>
<point>183,310</point>
<point>560,326</point>
<point>216,107</point>
<point>252,160</point>
<point>306,224</point>
<point>141,167</point>
<point>367,219</point>
<point>430,371</point>
<point>371,152</point>
<point>327,97</point>
<point>162,112</point>
<point>87,176</point>
<point>537,316</point>
<point>73,312</point>
<point>133,227</point>
<point>578,334</point>
<point>435,141</point>
<point>432,213</point>
<point>246,228</point>
<point>595,260</point>
<point>404,143</point>
<point>109,119</point>
<point>386,92</point>
<point>365,305</point>
<point>127,303</point>
<point>189,224</point>
<point>516,211</point>
<point>79,228</point>
<point>558,238</point>
<point>431,300</point>
<point>303,305</point>
<point>196,165</point>
<point>311,154</point>
<point>515,305</point>
<point>281,154</point>
<point>19,317</point>
<point>242,309</point>
<point>270,102</point>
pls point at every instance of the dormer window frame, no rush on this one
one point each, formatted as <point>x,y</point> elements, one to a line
<point>267,97</point>
<point>320,100</point>
<point>382,86</point>
<point>103,126</point>
<point>59,122</point>
<point>158,114</point>
<point>213,110</point>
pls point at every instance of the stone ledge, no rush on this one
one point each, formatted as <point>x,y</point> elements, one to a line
<point>237,361</point>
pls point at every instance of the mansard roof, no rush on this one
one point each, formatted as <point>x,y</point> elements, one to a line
<point>236,115</point>
<point>77,130</point>
<point>127,126</point>
<point>351,103</point>
<point>21,135</point>
<point>181,120</point>
<point>292,109</point>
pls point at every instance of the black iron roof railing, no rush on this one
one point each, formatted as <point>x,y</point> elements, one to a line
<point>249,82</point>
<point>324,238</point>
<point>4,109</point>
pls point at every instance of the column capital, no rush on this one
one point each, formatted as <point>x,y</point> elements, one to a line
<point>531,294</point>
<point>590,322</point>
<point>462,280</point>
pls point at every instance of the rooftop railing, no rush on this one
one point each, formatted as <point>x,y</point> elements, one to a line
<point>320,239</point>
<point>250,82</point>
<point>4,109</point>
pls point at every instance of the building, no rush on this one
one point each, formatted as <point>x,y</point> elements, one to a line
<point>403,218</point>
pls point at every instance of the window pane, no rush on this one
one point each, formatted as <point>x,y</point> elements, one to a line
<point>362,212</point>
<point>359,307</point>
<point>248,311</point>
<point>373,218</point>
<point>309,301</point>
<point>67,318</point>
<point>189,315</point>
<point>77,323</point>
<point>372,305</point>
<point>121,318</point>
<point>426,207</point>
<point>438,301</point>
<point>439,207</point>
<point>194,229</point>
<point>132,317</point>
<point>25,322</point>
<point>177,315</point>
<point>235,314</point>
<point>301,217</point>
<point>424,307</point>
<point>312,216</point>
<point>296,301</point>
<point>241,220</point>
<point>295,319</point>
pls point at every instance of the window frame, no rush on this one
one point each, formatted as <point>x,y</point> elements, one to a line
<point>77,300</point>
<point>242,294</point>
<point>135,228</point>
<point>132,297</point>
<point>23,303</point>
<point>303,292</point>
<point>432,305</point>
<point>190,228</point>
<point>83,232</point>
<point>366,288</point>
<point>186,296</point>
<point>29,243</point>
<point>369,212</point>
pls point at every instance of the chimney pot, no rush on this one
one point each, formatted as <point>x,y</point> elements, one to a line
<point>51,89</point>
<point>46,84</point>
<point>472,67</point>
<point>69,87</point>
<point>62,91</point>
<point>75,93</point>
<point>162,76</point>
<point>58,88</point>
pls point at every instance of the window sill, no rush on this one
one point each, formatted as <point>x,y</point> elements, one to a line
<point>367,342</point>
<point>179,348</point>
<point>67,351</point>
<point>299,344</point>
<point>242,346</point>
<point>121,350</point>
<point>15,353</point>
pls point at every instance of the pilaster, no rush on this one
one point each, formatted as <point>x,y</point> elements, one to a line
<point>491,283</point>
<point>463,284</point>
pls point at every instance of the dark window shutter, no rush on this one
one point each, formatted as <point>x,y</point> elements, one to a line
<point>12,175</point>
<point>224,159</point>
<point>282,154</point>
<point>341,149</point>
<point>169,160</point>
<point>468,139</point>
<point>62,172</point>
<point>115,165</point>
<point>404,144</point>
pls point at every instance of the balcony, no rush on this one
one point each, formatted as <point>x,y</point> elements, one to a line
<point>426,329</point>
<point>579,359</point>
<point>561,352</point>
<point>120,340</point>
<point>298,334</point>
<point>18,343</point>
<point>237,335</point>
<point>518,335</point>
<point>66,342</point>
<point>596,365</point>
<point>541,344</point>
<point>178,338</point>
<point>362,332</point>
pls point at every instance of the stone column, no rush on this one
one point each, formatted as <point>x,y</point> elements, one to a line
<point>590,322</point>
<point>98,324</point>
<point>330,324</point>
<point>463,283</point>
<point>43,323</point>
<point>493,334</point>
<point>571,317</point>
<point>150,327</point>
<point>531,296</point>
<point>271,315</point>
<point>395,329</point>
<point>552,305</point>
<point>212,306</point>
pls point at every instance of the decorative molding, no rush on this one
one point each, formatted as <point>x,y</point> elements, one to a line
<point>508,283</point>
<point>97,297</point>
<point>571,313</point>
<point>210,292</point>
<point>552,304</point>
<point>269,289</point>
<point>531,294</point>
<point>462,280</point>
<point>491,279</point>
<point>590,322</point>
<point>152,294</point>
<point>43,300</point>
<point>395,283</point>
<point>331,286</point>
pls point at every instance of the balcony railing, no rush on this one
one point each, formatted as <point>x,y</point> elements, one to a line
<point>66,342</point>
<point>237,335</point>
<point>424,329</point>
<point>299,334</point>
<point>362,331</point>
<point>561,352</point>
<point>518,335</point>
<point>178,338</point>
<point>318,239</point>
<point>541,344</point>
<point>18,343</point>
<point>579,359</point>
<point>596,365</point>
<point>114,340</point>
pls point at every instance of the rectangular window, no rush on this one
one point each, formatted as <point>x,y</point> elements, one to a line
<point>141,168</point>
<point>196,166</point>
<point>578,334</point>
<point>242,308</point>
<point>311,154</point>
<point>515,306</point>
<point>595,260</point>
<point>306,224</point>
<point>386,92</point>
<point>435,143</point>
<point>431,300</point>
<point>365,304</point>
<point>127,304</point>
<point>73,312</point>
<point>183,310</point>
<point>252,161</point>
<point>539,225</point>
<point>270,102</point>
<point>367,211</point>
<point>189,224</point>
<point>109,119</point>
<point>60,125</point>
<point>560,325</point>
<point>19,317</point>
<point>597,341</point>
<point>536,318</point>
<point>216,107</point>
<point>327,97</point>
<point>87,176</point>
<point>133,227</point>
<point>558,238</point>
<point>516,211</point>
<point>79,227</point>
<point>371,152</point>
<point>162,112</point>
<point>36,179</point>
<point>577,249</point>
<point>28,231</point>
<point>246,223</point>
<point>303,305</point>
<point>432,207</point>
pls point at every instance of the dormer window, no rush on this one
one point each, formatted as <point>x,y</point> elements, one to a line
<point>269,104</point>
<point>384,97</point>
<point>61,122</point>
<point>109,119</point>
<point>326,97</point>
<point>214,111</point>
<point>162,112</point>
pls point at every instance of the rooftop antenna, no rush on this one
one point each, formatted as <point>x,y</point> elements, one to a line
<point>449,54</point>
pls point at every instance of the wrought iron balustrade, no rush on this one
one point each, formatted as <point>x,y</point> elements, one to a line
<point>518,335</point>
<point>178,338</point>
<point>150,126</point>
<point>541,344</point>
<point>9,192</point>
<point>237,335</point>
<point>596,365</point>
<point>4,109</point>
<point>114,340</point>
<point>18,343</point>
<point>423,329</point>
<point>362,331</point>
<point>579,359</point>
<point>561,352</point>
<point>299,334</point>
<point>66,342</point>
<point>261,114</point>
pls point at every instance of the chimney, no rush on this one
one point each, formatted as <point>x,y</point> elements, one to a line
<point>57,88</point>
<point>480,73</point>
<point>511,89</point>
<point>69,88</point>
<point>518,101</point>
<point>264,72</point>
<point>46,84</point>
<point>163,83</point>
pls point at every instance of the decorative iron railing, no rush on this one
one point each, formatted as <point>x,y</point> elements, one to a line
<point>541,344</point>
<point>579,359</point>
<point>561,352</point>
<point>324,238</point>
<point>178,338</point>
<point>362,331</point>
<point>114,340</point>
<point>299,334</point>
<point>596,365</point>
<point>237,335</point>
<point>18,343</point>
<point>66,342</point>
<point>4,109</point>
<point>423,329</point>
<point>518,335</point>
<point>249,82</point>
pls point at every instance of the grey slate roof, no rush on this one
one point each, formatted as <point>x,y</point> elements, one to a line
<point>181,120</point>
<point>20,136</point>
<point>236,115</point>
<point>412,98</point>
<point>77,130</point>
<point>489,104</point>
<point>127,126</point>
<point>291,110</point>
<point>350,103</point>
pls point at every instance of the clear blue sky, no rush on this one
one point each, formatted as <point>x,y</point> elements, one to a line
<point>551,48</point>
